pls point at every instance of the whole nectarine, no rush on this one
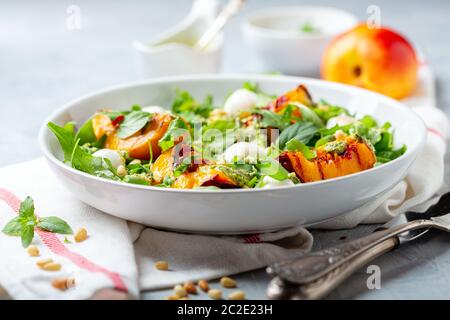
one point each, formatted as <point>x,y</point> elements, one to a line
<point>376,59</point>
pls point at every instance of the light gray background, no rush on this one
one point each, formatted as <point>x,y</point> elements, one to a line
<point>43,65</point>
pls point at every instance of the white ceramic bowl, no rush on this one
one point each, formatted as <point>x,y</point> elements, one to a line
<point>273,35</point>
<point>234,211</point>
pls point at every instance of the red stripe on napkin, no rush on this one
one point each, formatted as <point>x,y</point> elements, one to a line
<point>437,132</point>
<point>57,247</point>
<point>254,238</point>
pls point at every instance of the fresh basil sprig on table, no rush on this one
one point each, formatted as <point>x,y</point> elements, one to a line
<point>23,225</point>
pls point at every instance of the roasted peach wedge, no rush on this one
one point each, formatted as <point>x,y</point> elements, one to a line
<point>138,144</point>
<point>335,159</point>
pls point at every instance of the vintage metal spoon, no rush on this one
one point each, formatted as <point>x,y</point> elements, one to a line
<point>314,275</point>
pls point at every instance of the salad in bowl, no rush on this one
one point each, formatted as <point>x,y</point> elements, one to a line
<point>253,140</point>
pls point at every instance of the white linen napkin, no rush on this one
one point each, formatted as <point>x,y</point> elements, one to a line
<point>121,255</point>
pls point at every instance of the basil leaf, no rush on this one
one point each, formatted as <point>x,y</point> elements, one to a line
<point>301,131</point>
<point>295,145</point>
<point>133,122</point>
<point>27,208</point>
<point>13,227</point>
<point>27,235</point>
<point>55,225</point>
<point>324,140</point>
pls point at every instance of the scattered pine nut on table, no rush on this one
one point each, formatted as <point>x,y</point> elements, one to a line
<point>162,265</point>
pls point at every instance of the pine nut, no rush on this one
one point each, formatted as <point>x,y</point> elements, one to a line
<point>190,287</point>
<point>162,265</point>
<point>81,235</point>
<point>237,295</point>
<point>227,282</point>
<point>184,298</point>
<point>172,297</point>
<point>52,266</point>
<point>43,262</point>
<point>135,161</point>
<point>63,283</point>
<point>203,284</point>
<point>215,294</point>
<point>180,291</point>
<point>33,251</point>
<point>121,171</point>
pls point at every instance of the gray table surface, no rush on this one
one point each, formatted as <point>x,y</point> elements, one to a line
<point>43,65</point>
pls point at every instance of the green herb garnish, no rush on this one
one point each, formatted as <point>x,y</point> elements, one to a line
<point>23,225</point>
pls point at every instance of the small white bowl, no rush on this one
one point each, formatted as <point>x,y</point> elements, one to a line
<point>275,36</point>
<point>173,53</point>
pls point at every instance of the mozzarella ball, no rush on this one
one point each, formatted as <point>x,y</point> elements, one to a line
<point>113,156</point>
<point>341,120</point>
<point>269,182</point>
<point>240,100</point>
<point>242,151</point>
<point>154,109</point>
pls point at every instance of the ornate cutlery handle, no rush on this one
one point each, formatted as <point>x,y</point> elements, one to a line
<point>312,266</point>
<point>319,288</point>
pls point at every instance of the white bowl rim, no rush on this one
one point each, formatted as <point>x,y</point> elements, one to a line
<point>229,76</point>
<point>274,11</point>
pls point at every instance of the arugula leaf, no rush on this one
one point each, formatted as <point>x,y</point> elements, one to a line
<point>369,122</point>
<point>327,111</point>
<point>136,179</point>
<point>271,119</point>
<point>324,140</point>
<point>309,115</point>
<point>137,168</point>
<point>295,145</point>
<point>86,133</point>
<point>55,225</point>
<point>185,104</point>
<point>262,98</point>
<point>301,131</point>
<point>385,143</point>
<point>386,156</point>
<point>79,158</point>
<point>133,122</point>
<point>272,168</point>
<point>221,125</point>
<point>66,138</point>
<point>177,128</point>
